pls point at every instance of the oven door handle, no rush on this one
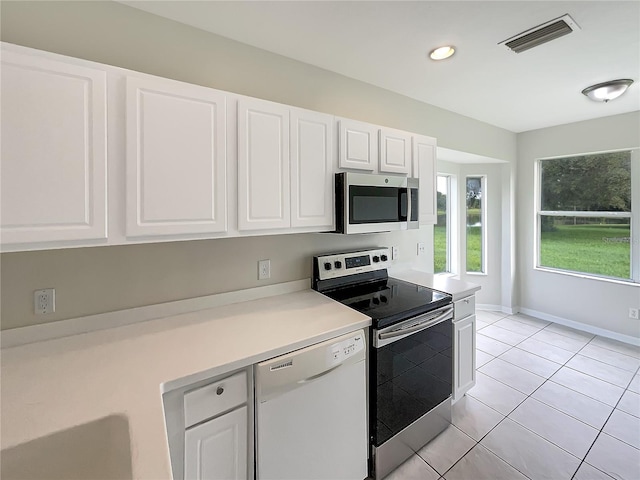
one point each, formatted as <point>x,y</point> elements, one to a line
<point>416,328</point>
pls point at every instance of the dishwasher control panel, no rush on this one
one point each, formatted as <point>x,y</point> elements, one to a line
<point>344,349</point>
<point>310,364</point>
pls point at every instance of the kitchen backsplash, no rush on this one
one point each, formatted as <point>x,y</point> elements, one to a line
<point>103,279</point>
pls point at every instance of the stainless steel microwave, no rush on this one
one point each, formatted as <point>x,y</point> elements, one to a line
<point>369,203</point>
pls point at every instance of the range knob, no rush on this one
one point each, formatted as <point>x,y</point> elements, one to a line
<point>376,301</point>
<point>327,266</point>
<point>383,257</point>
<point>375,259</point>
<point>337,264</point>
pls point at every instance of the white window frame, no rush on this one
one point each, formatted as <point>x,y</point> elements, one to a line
<point>452,262</point>
<point>483,220</point>
<point>634,217</point>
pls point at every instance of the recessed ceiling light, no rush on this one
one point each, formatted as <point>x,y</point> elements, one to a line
<point>603,92</point>
<point>441,53</point>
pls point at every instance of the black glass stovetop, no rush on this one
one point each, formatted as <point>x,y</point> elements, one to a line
<point>388,301</point>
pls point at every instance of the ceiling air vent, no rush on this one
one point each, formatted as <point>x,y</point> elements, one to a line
<point>544,33</point>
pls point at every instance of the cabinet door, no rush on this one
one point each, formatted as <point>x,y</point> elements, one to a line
<point>53,151</point>
<point>358,145</point>
<point>217,449</point>
<point>464,356</point>
<point>395,151</point>
<point>263,165</point>
<point>424,167</point>
<point>176,155</point>
<point>312,167</point>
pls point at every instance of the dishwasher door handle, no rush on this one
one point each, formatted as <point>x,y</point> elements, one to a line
<point>321,374</point>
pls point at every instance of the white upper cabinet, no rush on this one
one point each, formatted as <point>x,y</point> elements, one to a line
<point>424,167</point>
<point>176,158</point>
<point>358,145</point>
<point>53,152</point>
<point>263,165</point>
<point>312,169</point>
<point>395,151</point>
<point>174,171</point>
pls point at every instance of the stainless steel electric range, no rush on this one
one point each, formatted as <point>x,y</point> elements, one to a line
<point>410,345</point>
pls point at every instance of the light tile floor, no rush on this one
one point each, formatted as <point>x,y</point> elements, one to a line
<point>550,402</point>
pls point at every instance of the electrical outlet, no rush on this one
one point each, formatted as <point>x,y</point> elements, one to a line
<point>394,253</point>
<point>633,314</point>
<point>44,301</point>
<point>264,269</point>
<point>422,249</point>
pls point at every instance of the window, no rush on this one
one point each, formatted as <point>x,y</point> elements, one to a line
<point>442,229</point>
<point>475,222</point>
<point>585,216</point>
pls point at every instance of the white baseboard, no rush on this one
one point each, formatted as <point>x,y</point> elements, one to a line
<point>497,308</point>
<point>74,326</point>
<point>582,326</point>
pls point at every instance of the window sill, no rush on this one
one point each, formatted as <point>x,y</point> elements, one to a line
<point>587,276</point>
<point>477,274</point>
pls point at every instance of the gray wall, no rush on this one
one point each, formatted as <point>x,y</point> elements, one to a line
<point>102,279</point>
<point>593,302</point>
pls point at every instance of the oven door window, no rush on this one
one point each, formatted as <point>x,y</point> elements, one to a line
<point>369,204</point>
<point>412,376</point>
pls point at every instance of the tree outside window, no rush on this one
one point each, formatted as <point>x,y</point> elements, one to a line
<point>441,232</point>
<point>475,224</point>
<point>585,215</point>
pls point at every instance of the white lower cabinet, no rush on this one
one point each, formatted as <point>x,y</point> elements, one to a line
<point>210,428</point>
<point>464,347</point>
<point>464,361</point>
<point>217,449</point>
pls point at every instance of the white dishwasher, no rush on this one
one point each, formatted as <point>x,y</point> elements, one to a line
<point>311,418</point>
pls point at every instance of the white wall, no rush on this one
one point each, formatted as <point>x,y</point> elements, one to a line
<point>498,281</point>
<point>598,304</point>
<point>102,279</point>
<point>490,280</point>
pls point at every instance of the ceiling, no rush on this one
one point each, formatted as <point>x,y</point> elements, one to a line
<point>386,43</point>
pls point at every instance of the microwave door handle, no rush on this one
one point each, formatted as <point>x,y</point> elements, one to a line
<point>402,194</point>
<point>408,205</point>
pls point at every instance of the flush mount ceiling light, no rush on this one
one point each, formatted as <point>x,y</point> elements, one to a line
<point>441,53</point>
<point>603,92</point>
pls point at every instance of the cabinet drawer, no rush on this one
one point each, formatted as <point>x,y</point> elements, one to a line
<point>464,307</point>
<point>215,398</point>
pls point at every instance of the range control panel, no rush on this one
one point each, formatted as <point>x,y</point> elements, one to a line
<point>343,264</point>
<point>340,351</point>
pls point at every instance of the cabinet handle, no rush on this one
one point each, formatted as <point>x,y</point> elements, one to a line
<point>220,391</point>
<point>466,300</point>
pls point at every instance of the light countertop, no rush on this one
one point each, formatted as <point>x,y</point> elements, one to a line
<point>456,288</point>
<point>107,382</point>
